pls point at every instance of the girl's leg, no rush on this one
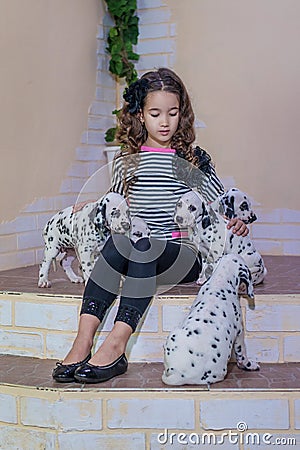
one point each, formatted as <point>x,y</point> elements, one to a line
<point>173,263</point>
<point>166,263</point>
<point>113,346</point>
<point>140,278</point>
<point>178,265</point>
<point>100,292</point>
<point>83,342</point>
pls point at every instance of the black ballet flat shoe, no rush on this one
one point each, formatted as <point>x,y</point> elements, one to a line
<point>97,374</point>
<point>64,373</point>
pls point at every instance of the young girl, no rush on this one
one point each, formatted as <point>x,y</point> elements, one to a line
<point>156,166</point>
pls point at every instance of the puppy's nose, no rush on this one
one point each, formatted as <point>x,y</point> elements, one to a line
<point>178,219</point>
<point>125,225</point>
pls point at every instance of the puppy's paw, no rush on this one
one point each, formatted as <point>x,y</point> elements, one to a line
<point>76,279</point>
<point>44,284</point>
<point>201,280</point>
<point>249,365</point>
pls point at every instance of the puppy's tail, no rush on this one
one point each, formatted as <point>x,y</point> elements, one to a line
<point>251,302</point>
<point>54,265</point>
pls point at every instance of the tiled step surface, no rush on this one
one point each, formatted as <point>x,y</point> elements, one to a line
<point>43,322</point>
<point>136,411</point>
<point>35,372</point>
<point>283,278</point>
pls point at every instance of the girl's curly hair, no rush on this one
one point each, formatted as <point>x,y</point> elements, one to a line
<point>132,133</point>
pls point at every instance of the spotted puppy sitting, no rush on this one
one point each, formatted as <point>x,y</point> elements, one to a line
<point>198,351</point>
<point>85,231</point>
<point>208,230</point>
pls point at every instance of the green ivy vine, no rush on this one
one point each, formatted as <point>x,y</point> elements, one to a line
<point>121,39</point>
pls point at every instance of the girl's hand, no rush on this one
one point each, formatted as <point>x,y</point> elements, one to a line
<point>239,227</point>
<point>79,206</point>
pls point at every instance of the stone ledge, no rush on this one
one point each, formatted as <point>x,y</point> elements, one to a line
<point>44,326</point>
<point>146,414</point>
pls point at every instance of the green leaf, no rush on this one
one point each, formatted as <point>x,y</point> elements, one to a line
<point>133,56</point>
<point>116,66</point>
<point>112,33</point>
<point>132,4</point>
<point>110,134</point>
<point>119,67</point>
<point>116,48</point>
<point>133,21</point>
<point>131,34</point>
<point>116,7</point>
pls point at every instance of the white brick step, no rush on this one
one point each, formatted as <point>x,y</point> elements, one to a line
<point>44,326</point>
<point>137,412</point>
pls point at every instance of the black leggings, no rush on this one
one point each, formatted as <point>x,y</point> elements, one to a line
<point>145,264</point>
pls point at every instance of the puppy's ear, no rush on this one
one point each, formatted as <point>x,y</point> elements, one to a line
<point>206,219</point>
<point>228,206</point>
<point>93,213</point>
<point>103,212</point>
<point>98,215</point>
<point>222,206</point>
<point>246,286</point>
<point>206,222</point>
<point>252,218</point>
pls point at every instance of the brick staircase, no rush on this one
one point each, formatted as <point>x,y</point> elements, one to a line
<point>248,410</point>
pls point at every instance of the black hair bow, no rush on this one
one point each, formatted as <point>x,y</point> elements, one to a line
<point>135,94</point>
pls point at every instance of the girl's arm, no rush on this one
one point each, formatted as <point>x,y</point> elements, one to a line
<point>117,183</point>
<point>208,183</point>
<point>213,187</point>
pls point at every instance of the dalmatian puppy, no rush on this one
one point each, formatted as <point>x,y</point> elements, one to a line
<point>86,232</point>
<point>208,230</point>
<point>198,351</point>
<point>235,203</point>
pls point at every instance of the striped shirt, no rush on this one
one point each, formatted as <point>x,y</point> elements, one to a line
<point>159,181</point>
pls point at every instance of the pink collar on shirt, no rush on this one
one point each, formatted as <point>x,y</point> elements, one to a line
<point>144,148</point>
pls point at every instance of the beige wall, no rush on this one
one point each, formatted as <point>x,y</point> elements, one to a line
<point>47,77</point>
<point>240,61</point>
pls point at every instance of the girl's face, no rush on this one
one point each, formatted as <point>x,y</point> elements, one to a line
<point>161,117</point>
